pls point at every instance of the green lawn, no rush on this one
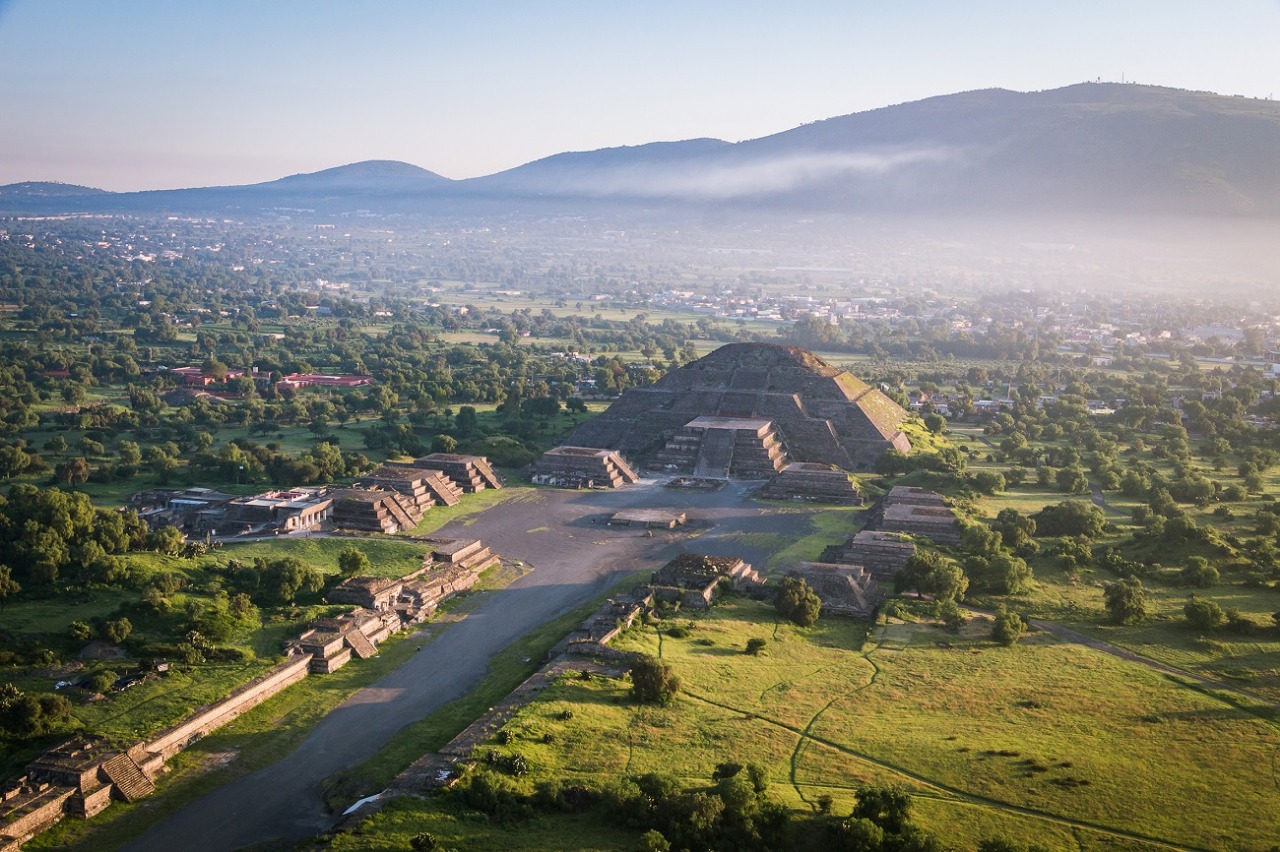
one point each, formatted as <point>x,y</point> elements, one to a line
<point>1045,741</point>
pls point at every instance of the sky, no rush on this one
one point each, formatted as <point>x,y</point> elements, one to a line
<point>154,94</point>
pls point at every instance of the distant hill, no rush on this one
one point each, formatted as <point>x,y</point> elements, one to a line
<point>1086,149</point>
<point>47,189</point>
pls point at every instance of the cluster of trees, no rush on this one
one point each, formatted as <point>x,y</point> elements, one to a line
<point>734,812</point>
<point>23,716</point>
<point>50,536</point>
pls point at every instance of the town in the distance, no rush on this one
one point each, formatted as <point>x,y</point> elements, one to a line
<point>343,518</point>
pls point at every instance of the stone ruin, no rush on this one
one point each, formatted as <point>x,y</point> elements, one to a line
<point>692,579</point>
<point>916,511</point>
<point>844,589</point>
<point>884,548</point>
<point>817,412</point>
<point>667,519</point>
<point>425,488</point>
<point>721,447</point>
<point>582,467</point>
<point>882,554</point>
<point>384,511</point>
<point>80,777</point>
<point>451,566</point>
<point>469,473</point>
<point>814,483</point>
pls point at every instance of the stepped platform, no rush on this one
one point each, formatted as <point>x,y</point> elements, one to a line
<point>469,473</point>
<point>582,467</point>
<point>692,579</point>
<point>911,495</point>
<point>882,554</point>
<point>424,487</point>
<point>844,589</point>
<point>814,483</point>
<point>720,447</point>
<point>936,524</point>
<point>918,511</point>
<point>374,510</point>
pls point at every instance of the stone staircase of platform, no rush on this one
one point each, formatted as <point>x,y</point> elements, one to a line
<point>131,782</point>
<point>716,454</point>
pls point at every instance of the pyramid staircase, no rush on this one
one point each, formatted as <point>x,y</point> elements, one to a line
<point>131,782</point>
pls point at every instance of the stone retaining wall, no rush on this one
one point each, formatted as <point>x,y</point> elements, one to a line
<point>215,716</point>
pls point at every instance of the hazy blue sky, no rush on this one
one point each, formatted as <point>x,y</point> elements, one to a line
<point>143,94</point>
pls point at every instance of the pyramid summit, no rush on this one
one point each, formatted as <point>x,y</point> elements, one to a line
<point>817,411</point>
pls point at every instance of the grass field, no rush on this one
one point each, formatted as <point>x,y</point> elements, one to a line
<point>1044,741</point>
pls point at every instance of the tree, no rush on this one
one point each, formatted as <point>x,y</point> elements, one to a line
<point>8,586</point>
<point>887,806</point>
<point>1199,573</point>
<point>755,645</point>
<point>935,423</point>
<point>466,423</point>
<point>24,716</point>
<point>1002,574</point>
<point>653,681</point>
<point>1008,627</point>
<point>117,631</point>
<point>71,472</point>
<point>166,540</point>
<point>285,578</point>
<point>424,842</point>
<point>1126,601</point>
<point>353,562</point>
<point>988,482</point>
<point>444,444</point>
<point>1071,517</point>
<point>797,602</point>
<point>1203,614</point>
<point>1015,528</point>
<point>859,834</point>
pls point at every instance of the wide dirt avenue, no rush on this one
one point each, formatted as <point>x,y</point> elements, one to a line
<point>574,559</point>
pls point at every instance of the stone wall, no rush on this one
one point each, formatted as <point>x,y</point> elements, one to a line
<point>175,739</point>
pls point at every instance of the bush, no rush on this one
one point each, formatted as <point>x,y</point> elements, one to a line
<point>653,681</point>
<point>1126,601</point>
<point>755,645</point>
<point>797,602</point>
<point>1199,573</point>
<point>1008,627</point>
<point>1203,614</point>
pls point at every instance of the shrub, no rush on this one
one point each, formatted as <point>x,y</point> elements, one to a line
<point>653,681</point>
<point>797,602</point>
<point>1126,601</point>
<point>1199,573</point>
<point>1008,627</point>
<point>755,645</point>
<point>1203,614</point>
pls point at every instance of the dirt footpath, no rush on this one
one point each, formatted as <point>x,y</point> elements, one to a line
<point>575,557</point>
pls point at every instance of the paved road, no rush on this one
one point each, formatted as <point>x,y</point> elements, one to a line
<point>574,560</point>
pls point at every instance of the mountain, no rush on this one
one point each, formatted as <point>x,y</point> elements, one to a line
<point>47,189</point>
<point>1091,149</point>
